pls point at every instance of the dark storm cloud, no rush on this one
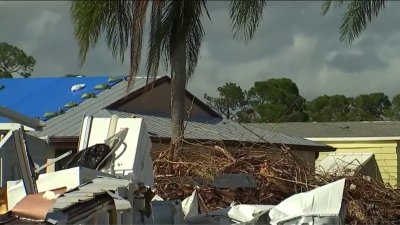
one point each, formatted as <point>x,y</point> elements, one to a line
<point>277,51</point>
<point>45,31</point>
<point>273,35</point>
<point>294,40</point>
<point>351,62</point>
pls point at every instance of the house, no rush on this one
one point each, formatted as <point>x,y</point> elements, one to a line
<point>62,107</point>
<point>378,137</point>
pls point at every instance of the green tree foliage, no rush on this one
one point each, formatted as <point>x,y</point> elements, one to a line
<point>267,101</point>
<point>230,102</point>
<point>14,61</point>
<point>394,112</point>
<point>369,107</point>
<point>329,108</point>
<point>277,100</point>
<point>176,35</point>
<point>365,107</point>
<point>246,115</point>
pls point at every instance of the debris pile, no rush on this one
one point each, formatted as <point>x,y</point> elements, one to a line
<point>278,175</point>
<point>371,202</point>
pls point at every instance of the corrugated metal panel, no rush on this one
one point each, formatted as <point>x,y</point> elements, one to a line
<point>350,164</point>
<point>69,124</point>
<point>212,130</point>
<point>88,191</point>
<point>334,129</point>
<point>385,154</point>
<point>337,162</point>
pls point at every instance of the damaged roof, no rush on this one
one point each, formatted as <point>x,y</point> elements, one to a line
<point>334,129</point>
<point>46,97</point>
<point>218,129</point>
<point>68,124</point>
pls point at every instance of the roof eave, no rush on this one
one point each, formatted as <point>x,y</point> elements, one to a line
<point>313,148</point>
<point>61,139</point>
<point>349,139</point>
<point>158,82</point>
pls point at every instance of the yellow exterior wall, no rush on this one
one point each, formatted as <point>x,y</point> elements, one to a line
<point>386,155</point>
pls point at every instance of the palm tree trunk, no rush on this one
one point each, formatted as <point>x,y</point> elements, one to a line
<point>178,83</point>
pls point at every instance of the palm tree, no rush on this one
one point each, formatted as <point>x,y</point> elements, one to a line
<point>357,16</point>
<point>176,35</point>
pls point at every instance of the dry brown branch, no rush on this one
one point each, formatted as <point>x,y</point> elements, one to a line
<point>279,173</point>
<point>291,181</point>
<point>230,165</point>
<point>168,161</point>
<point>224,152</point>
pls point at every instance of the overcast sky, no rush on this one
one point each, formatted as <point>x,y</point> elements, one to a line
<point>294,40</point>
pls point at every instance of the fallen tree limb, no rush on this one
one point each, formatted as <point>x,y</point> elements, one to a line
<point>172,162</point>
<point>224,152</point>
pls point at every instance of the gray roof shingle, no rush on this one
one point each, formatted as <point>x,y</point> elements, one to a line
<point>333,129</point>
<point>69,123</point>
<point>218,129</point>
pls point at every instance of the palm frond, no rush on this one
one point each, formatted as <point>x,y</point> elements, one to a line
<point>155,40</point>
<point>88,18</point>
<point>139,9</point>
<point>195,33</point>
<point>123,23</point>
<point>186,17</point>
<point>327,5</point>
<point>245,16</point>
<point>93,18</point>
<point>204,2</point>
<point>117,28</point>
<point>171,13</point>
<point>358,14</point>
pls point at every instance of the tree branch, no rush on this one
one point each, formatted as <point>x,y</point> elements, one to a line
<point>14,69</point>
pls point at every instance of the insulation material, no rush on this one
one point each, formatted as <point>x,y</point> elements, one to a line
<point>35,206</point>
<point>247,212</point>
<point>325,201</point>
<point>190,205</point>
<point>77,87</point>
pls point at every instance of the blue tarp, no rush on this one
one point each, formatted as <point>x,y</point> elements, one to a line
<point>36,96</point>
